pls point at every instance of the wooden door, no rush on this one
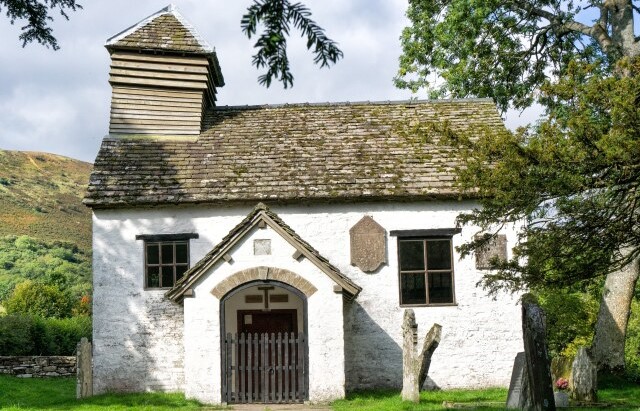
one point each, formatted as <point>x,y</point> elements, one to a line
<point>273,321</point>
<point>265,361</point>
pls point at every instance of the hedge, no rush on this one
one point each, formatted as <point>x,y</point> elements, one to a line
<point>31,335</point>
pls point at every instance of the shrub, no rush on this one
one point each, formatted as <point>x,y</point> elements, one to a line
<point>632,343</point>
<point>62,335</point>
<point>32,335</point>
<point>571,318</point>
<point>39,299</point>
<point>16,335</point>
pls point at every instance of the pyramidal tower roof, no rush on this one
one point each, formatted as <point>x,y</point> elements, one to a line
<point>164,30</point>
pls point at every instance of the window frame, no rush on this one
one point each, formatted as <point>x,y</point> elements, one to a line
<point>425,236</point>
<point>161,240</point>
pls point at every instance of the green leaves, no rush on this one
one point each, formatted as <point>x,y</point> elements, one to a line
<point>572,181</point>
<point>278,16</point>
<point>488,48</point>
<point>39,299</point>
<point>37,15</point>
<point>59,264</point>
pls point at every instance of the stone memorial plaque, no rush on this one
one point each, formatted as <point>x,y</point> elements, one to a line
<point>262,247</point>
<point>515,386</point>
<point>368,245</point>
<point>497,248</point>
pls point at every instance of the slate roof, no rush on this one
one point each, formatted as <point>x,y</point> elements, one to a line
<point>165,30</point>
<point>260,213</point>
<point>294,153</point>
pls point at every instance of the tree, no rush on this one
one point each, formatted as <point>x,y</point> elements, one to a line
<point>278,16</point>
<point>573,178</point>
<point>507,49</point>
<point>39,299</point>
<point>38,15</point>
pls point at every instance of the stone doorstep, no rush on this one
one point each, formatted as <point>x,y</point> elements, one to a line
<point>278,407</point>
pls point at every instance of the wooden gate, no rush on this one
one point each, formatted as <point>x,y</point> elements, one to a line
<point>264,368</point>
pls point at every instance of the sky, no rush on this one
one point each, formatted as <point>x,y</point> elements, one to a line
<point>58,101</point>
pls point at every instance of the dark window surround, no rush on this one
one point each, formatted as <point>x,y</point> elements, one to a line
<point>177,267</point>
<point>426,236</point>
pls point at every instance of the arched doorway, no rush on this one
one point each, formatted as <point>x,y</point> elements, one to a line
<point>264,343</point>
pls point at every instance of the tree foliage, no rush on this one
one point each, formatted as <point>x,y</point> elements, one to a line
<point>572,179</point>
<point>38,299</point>
<point>278,16</point>
<point>506,49</point>
<point>32,335</point>
<point>38,16</point>
<point>60,264</point>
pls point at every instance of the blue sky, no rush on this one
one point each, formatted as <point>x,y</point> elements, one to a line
<point>58,101</point>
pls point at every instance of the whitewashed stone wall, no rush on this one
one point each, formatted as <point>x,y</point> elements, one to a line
<point>480,336</point>
<point>137,333</point>
<point>324,322</point>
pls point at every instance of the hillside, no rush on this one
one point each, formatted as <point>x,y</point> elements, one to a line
<point>41,196</point>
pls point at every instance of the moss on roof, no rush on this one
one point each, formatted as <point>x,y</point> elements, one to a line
<point>295,153</point>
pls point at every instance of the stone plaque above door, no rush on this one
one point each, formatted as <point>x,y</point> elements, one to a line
<point>368,245</point>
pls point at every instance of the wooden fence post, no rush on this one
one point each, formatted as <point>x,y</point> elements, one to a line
<point>84,369</point>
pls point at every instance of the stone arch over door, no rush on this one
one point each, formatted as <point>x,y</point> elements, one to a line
<point>263,274</point>
<point>231,341</point>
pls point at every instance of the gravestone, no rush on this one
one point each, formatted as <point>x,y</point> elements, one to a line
<point>415,366</point>
<point>584,378</point>
<point>515,398</point>
<point>538,372</point>
<point>368,244</point>
<point>84,371</point>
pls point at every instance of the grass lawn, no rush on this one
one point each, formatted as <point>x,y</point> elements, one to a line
<point>59,394</point>
<point>617,393</point>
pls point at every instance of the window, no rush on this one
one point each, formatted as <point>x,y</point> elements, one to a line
<point>166,258</point>
<point>426,271</point>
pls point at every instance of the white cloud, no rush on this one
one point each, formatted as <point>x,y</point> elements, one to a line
<point>58,101</point>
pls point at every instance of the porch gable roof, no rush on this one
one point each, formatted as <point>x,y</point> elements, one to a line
<point>261,214</point>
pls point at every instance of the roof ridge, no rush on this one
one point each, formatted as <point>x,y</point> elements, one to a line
<point>263,213</point>
<point>358,103</point>
<point>169,9</point>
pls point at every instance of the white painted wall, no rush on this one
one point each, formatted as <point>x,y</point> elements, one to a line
<point>324,327</point>
<point>480,336</point>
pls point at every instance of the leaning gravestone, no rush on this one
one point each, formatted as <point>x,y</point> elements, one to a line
<point>537,371</point>
<point>516,396</point>
<point>584,376</point>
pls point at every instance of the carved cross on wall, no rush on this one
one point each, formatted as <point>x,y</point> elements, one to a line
<point>266,297</point>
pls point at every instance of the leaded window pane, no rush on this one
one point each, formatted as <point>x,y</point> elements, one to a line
<point>413,289</point>
<point>167,253</point>
<point>440,288</point>
<point>182,254</point>
<point>438,255</point>
<point>167,276</point>
<point>153,277</point>
<point>411,255</point>
<point>153,254</point>
<point>180,270</point>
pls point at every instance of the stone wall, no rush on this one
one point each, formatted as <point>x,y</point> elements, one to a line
<point>30,366</point>
<point>139,338</point>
